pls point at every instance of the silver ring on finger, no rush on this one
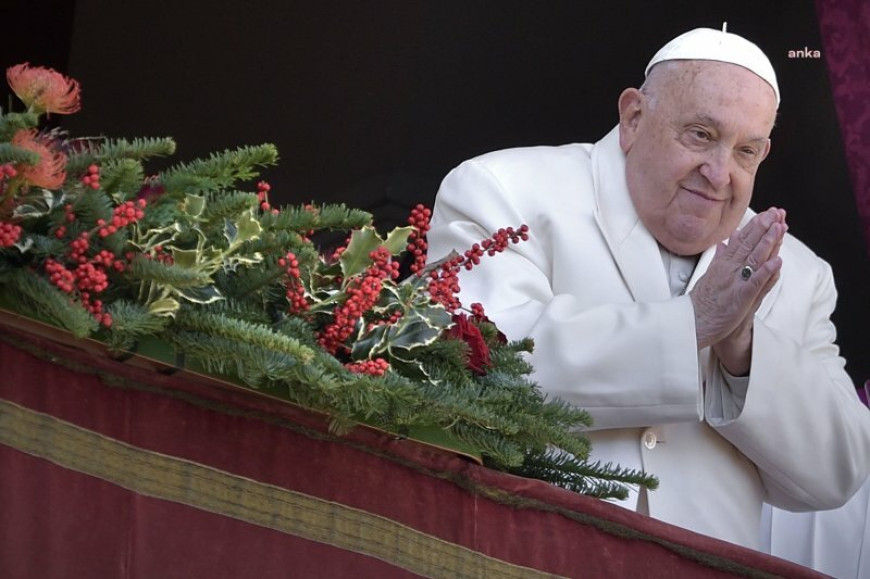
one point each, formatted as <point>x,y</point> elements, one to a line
<point>746,272</point>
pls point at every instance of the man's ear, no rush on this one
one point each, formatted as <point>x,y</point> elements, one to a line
<point>630,109</point>
<point>766,151</point>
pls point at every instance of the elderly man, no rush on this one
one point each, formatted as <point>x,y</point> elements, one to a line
<point>695,331</point>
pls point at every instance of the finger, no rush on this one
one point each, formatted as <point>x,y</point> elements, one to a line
<point>762,281</point>
<point>767,247</point>
<point>743,241</point>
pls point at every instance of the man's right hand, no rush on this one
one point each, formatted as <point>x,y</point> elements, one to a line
<point>725,302</point>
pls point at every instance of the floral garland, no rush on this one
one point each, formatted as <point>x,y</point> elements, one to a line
<point>91,243</point>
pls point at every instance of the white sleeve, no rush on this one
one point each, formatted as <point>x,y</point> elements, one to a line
<point>628,364</point>
<point>802,422</point>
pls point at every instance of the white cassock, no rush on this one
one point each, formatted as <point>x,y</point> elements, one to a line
<point>590,288</point>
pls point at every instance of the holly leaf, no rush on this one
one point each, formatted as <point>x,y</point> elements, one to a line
<point>244,229</point>
<point>184,257</point>
<point>369,344</point>
<point>397,240</point>
<point>355,258</point>
<point>164,307</point>
<point>199,295</point>
<point>38,202</point>
<point>194,205</point>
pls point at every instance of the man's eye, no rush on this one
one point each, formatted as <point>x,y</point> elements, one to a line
<point>700,134</point>
<point>749,151</point>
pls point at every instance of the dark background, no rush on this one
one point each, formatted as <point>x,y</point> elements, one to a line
<point>373,102</point>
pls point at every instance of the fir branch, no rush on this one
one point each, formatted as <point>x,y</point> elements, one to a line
<point>10,123</point>
<point>12,154</point>
<point>594,479</point>
<point>296,328</point>
<point>256,335</point>
<point>278,242</point>
<point>149,270</point>
<point>130,322</point>
<point>228,205</point>
<point>254,365</point>
<point>501,453</point>
<point>101,150</point>
<point>220,170</point>
<point>91,206</point>
<point>250,281</point>
<point>239,309</point>
<point>315,217</point>
<point>122,178</point>
<point>28,292</point>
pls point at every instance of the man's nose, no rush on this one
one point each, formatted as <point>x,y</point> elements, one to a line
<point>716,167</point>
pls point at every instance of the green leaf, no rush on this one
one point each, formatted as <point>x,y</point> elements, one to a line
<point>23,245</point>
<point>355,258</point>
<point>164,307</point>
<point>371,343</point>
<point>184,257</point>
<point>246,228</point>
<point>199,295</point>
<point>412,333</point>
<point>38,202</point>
<point>397,240</point>
<point>194,205</point>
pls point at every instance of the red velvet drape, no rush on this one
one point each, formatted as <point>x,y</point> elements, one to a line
<point>845,29</point>
<point>110,469</point>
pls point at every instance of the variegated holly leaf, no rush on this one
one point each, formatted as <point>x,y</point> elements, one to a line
<point>355,258</point>
<point>200,295</point>
<point>397,240</point>
<point>244,229</point>
<point>164,307</point>
<point>184,257</point>
<point>194,205</point>
<point>38,202</point>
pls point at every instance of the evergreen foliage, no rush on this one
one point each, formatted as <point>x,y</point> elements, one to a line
<point>192,260</point>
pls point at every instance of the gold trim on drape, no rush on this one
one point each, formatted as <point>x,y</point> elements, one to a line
<point>174,479</point>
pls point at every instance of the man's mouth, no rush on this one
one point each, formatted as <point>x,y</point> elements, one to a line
<point>703,195</point>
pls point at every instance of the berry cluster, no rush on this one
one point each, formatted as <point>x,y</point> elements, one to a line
<point>124,214</point>
<point>444,281</point>
<point>375,367</point>
<point>7,172</point>
<point>69,216</point>
<point>92,177</point>
<point>363,293</point>
<point>263,189</point>
<point>386,319</point>
<point>107,259</point>
<point>9,234</point>
<point>477,312</point>
<point>295,289</point>
<point>88,279</point>
<point>79,246</point>
<point>417,246</point>
<point>87,275</point>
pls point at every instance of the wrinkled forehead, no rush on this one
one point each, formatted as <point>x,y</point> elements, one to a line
<point>713,89</point>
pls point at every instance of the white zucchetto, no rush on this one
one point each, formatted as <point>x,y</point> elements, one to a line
<point>721,46</point>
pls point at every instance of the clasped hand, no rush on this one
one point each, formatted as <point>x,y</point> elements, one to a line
<point>727,296</point>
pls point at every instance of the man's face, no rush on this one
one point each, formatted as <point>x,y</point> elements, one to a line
<point>693,144</point>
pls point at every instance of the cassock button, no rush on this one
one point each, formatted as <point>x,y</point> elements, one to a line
<point>649,439</point>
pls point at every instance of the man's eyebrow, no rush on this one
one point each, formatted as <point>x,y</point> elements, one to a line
<point>715,123</point>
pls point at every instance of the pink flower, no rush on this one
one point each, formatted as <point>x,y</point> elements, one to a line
<point>50,171</point>
<point>43,89</point>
